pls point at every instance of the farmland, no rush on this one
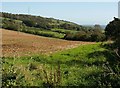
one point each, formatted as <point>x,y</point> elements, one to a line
<point>70,63</point>
<point>22,44</point>
<point>38,51</point>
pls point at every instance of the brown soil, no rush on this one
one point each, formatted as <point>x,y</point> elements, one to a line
<point>22,44</point>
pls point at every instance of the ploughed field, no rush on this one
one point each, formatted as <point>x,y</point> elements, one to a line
<point>22,44</point>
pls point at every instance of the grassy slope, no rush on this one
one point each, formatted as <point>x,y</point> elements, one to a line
<point>82,66</point>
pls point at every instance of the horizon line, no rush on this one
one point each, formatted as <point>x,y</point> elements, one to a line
<point>53,18</point>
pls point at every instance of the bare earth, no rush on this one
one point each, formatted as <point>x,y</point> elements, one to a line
<point>22,44</point>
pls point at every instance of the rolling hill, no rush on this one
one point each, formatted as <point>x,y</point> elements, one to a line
<point>50,27</point>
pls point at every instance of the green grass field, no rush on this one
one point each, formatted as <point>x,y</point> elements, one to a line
<point>87,65</point>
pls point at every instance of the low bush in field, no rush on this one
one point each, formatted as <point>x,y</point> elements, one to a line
<point>12,76</point>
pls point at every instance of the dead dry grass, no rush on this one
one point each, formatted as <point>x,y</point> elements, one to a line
<point>22,44</point>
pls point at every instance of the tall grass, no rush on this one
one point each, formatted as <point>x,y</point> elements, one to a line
<point>84,66</point>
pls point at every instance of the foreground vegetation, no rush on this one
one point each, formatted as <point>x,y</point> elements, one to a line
<point>88,65</point>
<point>112,32</point>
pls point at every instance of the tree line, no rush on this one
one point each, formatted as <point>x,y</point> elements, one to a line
<point>25,23</point>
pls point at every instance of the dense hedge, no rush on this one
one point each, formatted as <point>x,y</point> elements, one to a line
<point>83,36</point>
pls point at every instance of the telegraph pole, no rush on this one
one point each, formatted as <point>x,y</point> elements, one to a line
<point>28,10</point>
<point>119,9</point>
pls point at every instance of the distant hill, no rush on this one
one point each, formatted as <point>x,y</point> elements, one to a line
<point>102,26</point>
<point>42,22</point>
<point>50,27</point>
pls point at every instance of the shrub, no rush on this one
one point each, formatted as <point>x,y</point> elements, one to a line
<point>112,31</point>
<point>83,36</point>
<point>53,77</point>
<point>29,23</point>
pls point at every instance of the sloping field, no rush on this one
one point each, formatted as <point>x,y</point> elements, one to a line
<point>17,44</point>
